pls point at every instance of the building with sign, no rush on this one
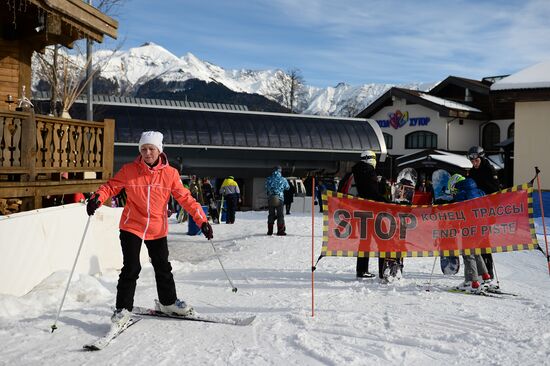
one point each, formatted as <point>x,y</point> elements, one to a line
<point>455,115</point>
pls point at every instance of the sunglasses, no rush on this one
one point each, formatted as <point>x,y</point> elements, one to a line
<point>473,156</point>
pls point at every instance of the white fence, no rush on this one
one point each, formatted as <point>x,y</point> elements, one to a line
<point>35,244</point>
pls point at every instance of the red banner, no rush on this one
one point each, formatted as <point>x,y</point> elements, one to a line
<point>498,222</point>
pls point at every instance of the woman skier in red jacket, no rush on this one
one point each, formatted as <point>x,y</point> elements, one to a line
<point>148,181</point>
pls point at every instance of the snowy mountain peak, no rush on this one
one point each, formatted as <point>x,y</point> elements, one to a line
<point>137,66</point>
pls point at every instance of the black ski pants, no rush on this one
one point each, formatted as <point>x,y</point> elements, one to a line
<point>158,252</point>
<point>232,200</point>
<point>488,259</point>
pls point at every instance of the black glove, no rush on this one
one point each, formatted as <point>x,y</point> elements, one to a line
<point>93,204</point>
<point>207,230</point>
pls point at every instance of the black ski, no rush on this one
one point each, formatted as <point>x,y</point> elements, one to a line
<point>114,332</point>
<point>195,317</point>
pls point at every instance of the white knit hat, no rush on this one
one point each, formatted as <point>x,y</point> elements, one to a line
<point>151,137</point>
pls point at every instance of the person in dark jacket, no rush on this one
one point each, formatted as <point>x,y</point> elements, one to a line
<point>289,196</point>
<point>485,176</point>
<point>366,183</point>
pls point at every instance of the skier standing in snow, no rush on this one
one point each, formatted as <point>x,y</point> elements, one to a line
<point>366,182</point>
<point>289,197</point>
<point>230,190</point>
<point>209,200</point>
<point>148,181</point>
<point>485,176</point>
<point>275,186</point>
<point>464,189</point>
<point>320,188</point>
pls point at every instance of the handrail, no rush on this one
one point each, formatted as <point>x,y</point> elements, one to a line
<point>32,144</point>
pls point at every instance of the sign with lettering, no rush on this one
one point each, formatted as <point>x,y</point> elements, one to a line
<point>399,119</point>
<point>495,223</point>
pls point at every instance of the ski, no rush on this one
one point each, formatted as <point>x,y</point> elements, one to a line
<point>499,292</point>
<point>195,317</point>
<point>481,293</point>
<point>115,331</point>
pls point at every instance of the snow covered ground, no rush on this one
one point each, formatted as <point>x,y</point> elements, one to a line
<point>355,322</point>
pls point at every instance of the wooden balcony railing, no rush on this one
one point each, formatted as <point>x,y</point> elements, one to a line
<point>36,149</point>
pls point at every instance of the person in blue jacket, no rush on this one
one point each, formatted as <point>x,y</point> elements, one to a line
<point>464,189</point>
<point>275,185</point>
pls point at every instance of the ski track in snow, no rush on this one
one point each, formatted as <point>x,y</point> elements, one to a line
<point>356,322</point>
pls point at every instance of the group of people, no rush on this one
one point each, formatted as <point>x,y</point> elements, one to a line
<point>482,179</point>
<point>149,182</point>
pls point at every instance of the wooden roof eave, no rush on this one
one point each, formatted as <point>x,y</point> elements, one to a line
<point>85,17</point>
<point>473,85</point>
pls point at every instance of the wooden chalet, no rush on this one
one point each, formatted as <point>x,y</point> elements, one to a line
<point>36,151</point>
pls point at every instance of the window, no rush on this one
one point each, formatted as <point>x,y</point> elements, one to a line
<point>388,139</point>
<point>421,140</point>
<point>490,137</point>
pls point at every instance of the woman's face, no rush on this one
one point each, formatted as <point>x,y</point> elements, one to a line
<point>476,162</point>
<point>150,153</point>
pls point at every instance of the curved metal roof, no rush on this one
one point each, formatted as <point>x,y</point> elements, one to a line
<point>190,127</point>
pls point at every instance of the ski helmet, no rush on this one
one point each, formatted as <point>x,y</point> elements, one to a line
<point>476,152</point>
<point>369,157</point>
<point>453,180</point>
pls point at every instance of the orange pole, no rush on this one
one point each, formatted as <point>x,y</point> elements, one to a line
<point>312,246</point>
<point>543,225</point>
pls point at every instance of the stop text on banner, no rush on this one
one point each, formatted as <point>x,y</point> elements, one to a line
<point>499,222</point>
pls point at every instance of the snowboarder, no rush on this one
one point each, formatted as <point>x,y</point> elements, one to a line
<point>464,189</point>
<point>366,183</point>
<point>486,179</point>
<point>148,181</point>
<point>275,185</point>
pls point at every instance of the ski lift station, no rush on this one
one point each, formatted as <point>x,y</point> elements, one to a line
<point>215,141</point>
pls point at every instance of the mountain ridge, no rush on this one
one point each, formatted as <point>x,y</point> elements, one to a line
<point>152,71</point>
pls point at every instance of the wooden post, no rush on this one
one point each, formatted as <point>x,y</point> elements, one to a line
<point>28,146</point>
<point>108,148</point>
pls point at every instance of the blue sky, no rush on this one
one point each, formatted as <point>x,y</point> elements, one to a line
<point>356,42</point>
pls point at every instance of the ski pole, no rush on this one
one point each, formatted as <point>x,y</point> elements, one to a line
<point>495,272</point>
<point>221,210</point>
<point>54,326</point>
<point>233,288</point>
<point>542,218</point>
<point>431,274</point>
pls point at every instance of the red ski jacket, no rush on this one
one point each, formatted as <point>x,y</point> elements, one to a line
<point>148,191</point>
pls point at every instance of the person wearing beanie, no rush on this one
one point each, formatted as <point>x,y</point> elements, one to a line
<point>366,182</point>
<point>275,185</point>
<point>148,182</point>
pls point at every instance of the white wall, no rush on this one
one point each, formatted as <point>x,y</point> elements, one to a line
<point>531,149</point>
<point>34,244</point>
<point>302,204</point>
